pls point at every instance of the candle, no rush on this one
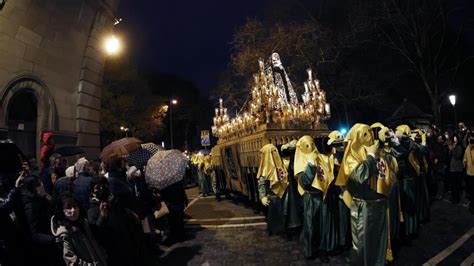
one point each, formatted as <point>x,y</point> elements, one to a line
<point>328,109</point>
<point>217,111</point>
<point>310,74</point>
<point>255,78</point>
<point>306,89</point>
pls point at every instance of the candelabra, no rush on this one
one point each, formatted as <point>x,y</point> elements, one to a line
<point>268,104</point>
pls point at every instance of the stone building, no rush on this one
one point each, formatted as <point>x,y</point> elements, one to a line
<point>51,64</point>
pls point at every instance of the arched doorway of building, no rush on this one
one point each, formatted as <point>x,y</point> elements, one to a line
<point>22,113</point>
<point>27,109</point>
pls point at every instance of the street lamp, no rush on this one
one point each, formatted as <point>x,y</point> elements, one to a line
<point>172,102</point>
<point>452,99</point>
<point>112,45</point>
<point>124,129</point>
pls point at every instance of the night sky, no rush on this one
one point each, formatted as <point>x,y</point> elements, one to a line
<point>191,39</point>
<point>187,38</point>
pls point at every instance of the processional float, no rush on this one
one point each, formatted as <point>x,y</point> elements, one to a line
<point>272,113</point>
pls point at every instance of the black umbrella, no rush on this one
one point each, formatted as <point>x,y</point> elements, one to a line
<point>140,157</point>
<point>11,158</point>
<point>69,151</point>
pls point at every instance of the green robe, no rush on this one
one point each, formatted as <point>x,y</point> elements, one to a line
<point>407,186</point>
<point>368,217</point>
<point>319,217</point>
<point>344,216</point>
<point>283,213</point>
<point>205,182</point>
<point>393,203</point>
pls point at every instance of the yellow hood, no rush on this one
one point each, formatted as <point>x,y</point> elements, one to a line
<point>403,130</point>
<point>305,152</point>
<point>273,169</point>
<point>335,136</point>
<point>359,136</point>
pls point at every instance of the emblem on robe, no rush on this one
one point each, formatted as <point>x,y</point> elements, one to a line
<point>319,173</point>
<point>280,173</point>
<point>381,168</point>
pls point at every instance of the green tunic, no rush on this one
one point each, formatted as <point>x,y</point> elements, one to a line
<point>282,213</point>
<point>319,217</point>
<point>393,204</point>
<point>205,183</point>
<point>407,183</point>
<point>368,217</point>
<point>344,216</point>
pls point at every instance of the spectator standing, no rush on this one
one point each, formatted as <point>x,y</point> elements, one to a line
<point>47,149</point>
<point>34,218</point>
<point>456,168</point>
<point>439,157</point>
<point>70,225</point>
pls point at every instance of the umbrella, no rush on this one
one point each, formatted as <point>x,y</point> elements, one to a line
<point>120,147</point>
<point>165,168</point>
<point>11,158</point>
<point>69,151</point>
<point>140,157</point>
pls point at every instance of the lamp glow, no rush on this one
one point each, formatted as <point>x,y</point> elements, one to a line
<point>452,99</point>
<point>343,131</point>
<point>112,45</point>
<point>174,101</point>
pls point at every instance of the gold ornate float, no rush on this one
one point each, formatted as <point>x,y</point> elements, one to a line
<point>272,113</point>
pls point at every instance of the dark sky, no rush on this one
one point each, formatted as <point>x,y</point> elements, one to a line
<point>186,38</point>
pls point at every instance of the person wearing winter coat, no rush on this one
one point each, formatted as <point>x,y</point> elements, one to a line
<point>47,149</point>
<point>70,226</point>
<point>50,175</point>
<point>119,232</point>
<point>456,168</point>
<point>79,183</point>
<point>34,215</point>
<point>439,158</point>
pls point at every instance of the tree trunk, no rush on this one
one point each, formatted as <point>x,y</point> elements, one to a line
<point>435,110</point>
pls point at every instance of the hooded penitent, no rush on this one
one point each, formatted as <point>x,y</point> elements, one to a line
<point>404,131</point>
<point>305,152</point>
<point>387,166</point>
<point>324,164</point>
<point>207,164</point>
<point>273,169</point>
<point>354,154</point>
<point>335,136</point>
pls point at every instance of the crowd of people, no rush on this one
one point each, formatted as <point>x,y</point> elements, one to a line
<point>366,193</point>
<point>88,213</point>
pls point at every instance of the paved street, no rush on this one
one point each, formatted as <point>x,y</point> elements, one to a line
<point>224,233</point>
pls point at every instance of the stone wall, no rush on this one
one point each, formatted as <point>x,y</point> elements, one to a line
<point>58,43</point>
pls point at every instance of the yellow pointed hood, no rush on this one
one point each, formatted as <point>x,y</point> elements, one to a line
<point>305,152</point>
<point>359,136</point>
<point>335,136</point>
<point>403,130</point>
<point>207,164</point>
<point>273,169</point>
